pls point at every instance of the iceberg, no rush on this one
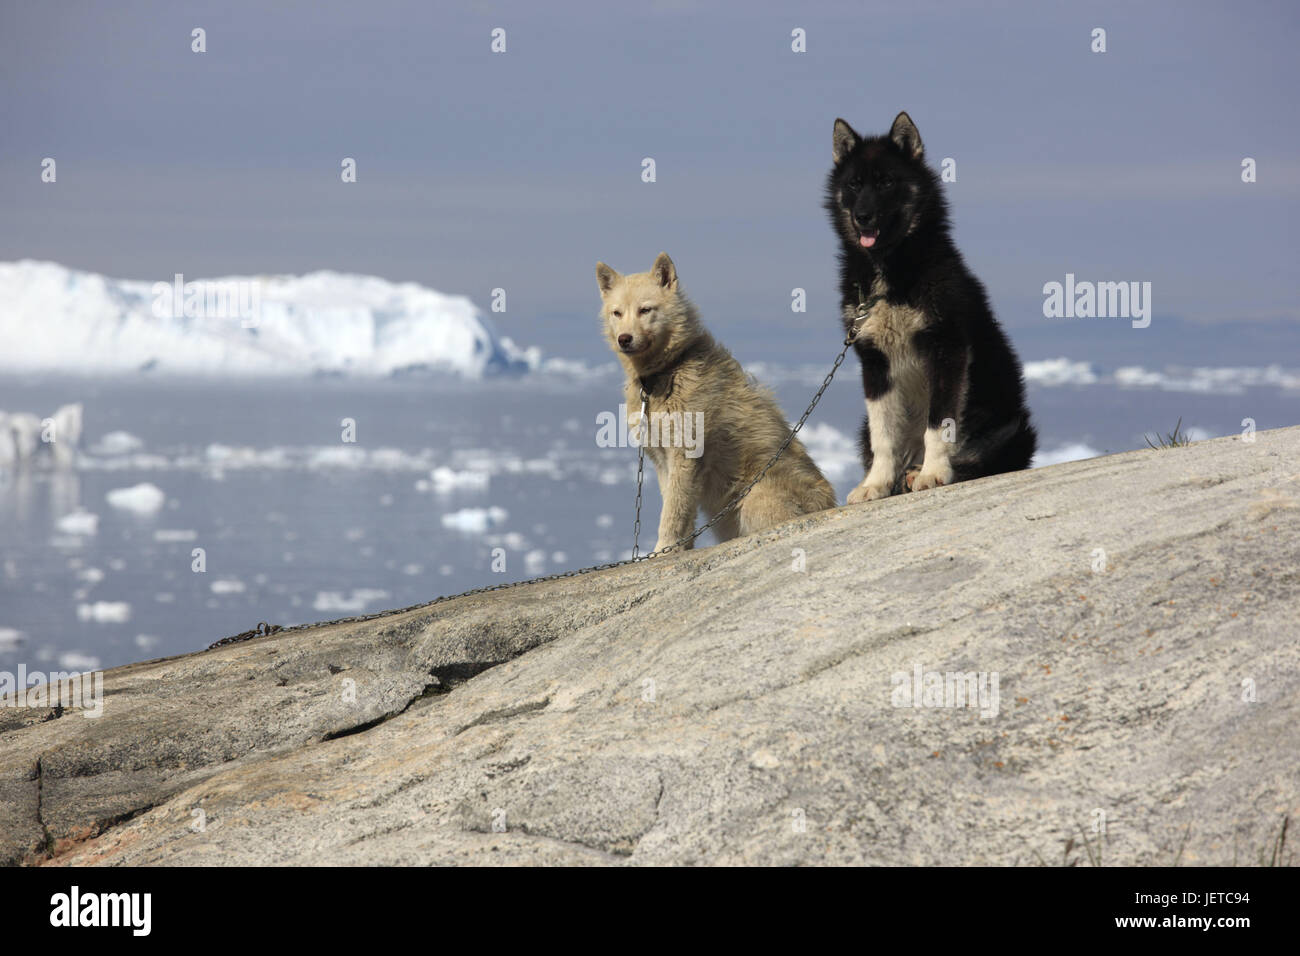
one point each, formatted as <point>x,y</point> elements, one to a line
<point>53,318</point>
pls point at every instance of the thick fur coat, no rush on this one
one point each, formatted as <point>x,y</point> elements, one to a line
<point>689,378</point>
<point>944,391</point>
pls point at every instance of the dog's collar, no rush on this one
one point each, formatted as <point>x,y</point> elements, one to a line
<point>865,304</point>
<point>650,383</point>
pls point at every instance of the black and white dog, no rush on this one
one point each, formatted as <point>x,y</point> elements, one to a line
<point>945,393</point>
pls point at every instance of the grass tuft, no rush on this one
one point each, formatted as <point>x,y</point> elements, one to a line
<point>1174,439</point>
<point>1276,854</point>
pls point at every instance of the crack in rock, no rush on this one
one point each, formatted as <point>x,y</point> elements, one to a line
<point>442,680</point>
<point>505,713</point>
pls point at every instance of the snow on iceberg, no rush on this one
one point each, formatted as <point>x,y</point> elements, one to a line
<point>61,319</point>
<point>24,436</point>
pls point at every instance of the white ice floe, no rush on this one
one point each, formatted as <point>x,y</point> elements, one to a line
<point>227,586</point>
<point>77,661</point>
<point>116,443</point>
<point>10,639</point>
<point>79,522</point>
<point>141,499</point>
<point>1074,451</point>
<point>1060,371</point>
<point>835,453</point>
<point>1225,380</point>
<point>356,602</point>
<point>510,539</point>
<point>445,480</point>
<point>573,370</point>
<point>475,520</point>
<point>387,459</point>
<point>105,612</point>
<point>341,456</point>
<point>462,472</point>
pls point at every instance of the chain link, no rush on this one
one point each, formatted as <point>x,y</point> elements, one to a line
<point>641,429</point>
<point>264,629</point>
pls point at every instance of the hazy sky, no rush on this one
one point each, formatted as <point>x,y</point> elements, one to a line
<point>520,170</point>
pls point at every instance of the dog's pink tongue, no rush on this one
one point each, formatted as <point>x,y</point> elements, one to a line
<point>868,240</point>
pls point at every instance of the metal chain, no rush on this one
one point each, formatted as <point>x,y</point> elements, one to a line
<point>735,502</point>
<point>641,428</point>
<point>264,629</point>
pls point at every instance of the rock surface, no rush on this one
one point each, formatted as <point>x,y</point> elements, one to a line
<point>1140,612</point>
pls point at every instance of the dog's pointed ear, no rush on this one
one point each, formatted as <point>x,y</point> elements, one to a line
<point>605,277</point>
<point>664,271</point>
<point>904,133</point>
<point>843,139</point>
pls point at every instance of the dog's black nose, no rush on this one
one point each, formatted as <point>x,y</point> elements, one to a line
<point>624,340</point>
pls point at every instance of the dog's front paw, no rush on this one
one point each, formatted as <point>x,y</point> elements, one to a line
<point>928,478</point>
<point>868,492</point>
